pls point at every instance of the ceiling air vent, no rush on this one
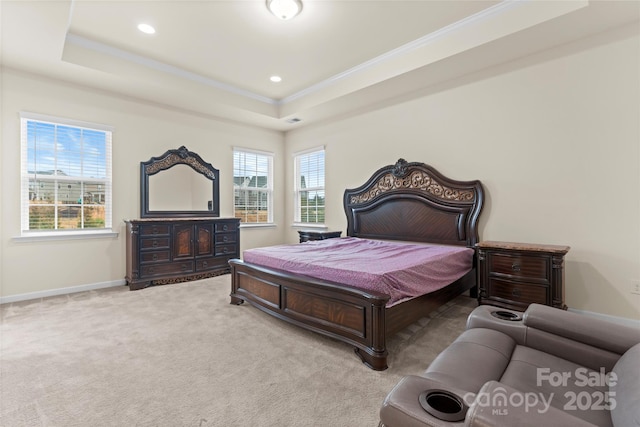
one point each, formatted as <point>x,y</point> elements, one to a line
<point>294,120</point>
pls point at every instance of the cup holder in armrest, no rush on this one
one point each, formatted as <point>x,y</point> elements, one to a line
<point>443,405</point>
<point>506,315</point>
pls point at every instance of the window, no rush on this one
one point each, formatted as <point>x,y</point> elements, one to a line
<point>252,186</point>
<point>66,175</point>
<point>309,187</point>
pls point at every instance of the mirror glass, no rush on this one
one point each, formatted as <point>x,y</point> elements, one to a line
<point>179,188</point>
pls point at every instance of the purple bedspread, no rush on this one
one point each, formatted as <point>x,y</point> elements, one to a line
<point>400,270</point>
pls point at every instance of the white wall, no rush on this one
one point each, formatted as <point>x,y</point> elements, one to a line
<point>141,131</point>
<point>555,140</point>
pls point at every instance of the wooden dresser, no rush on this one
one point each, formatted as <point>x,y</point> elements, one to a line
<point>170,250</point>
<point>514,275</point>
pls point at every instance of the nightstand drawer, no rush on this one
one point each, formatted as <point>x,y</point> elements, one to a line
<point>519,266</point>
<point>518,292</point>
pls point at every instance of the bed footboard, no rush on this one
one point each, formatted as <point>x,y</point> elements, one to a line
<point>342,312</point>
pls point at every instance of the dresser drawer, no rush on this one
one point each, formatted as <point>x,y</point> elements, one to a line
<point>226,249</point>
<point>519,292</point>
<point>168,268</point>
<point>519,266</point>
<point>154,243</point>
<point>155,256</point>
<point>154,229</point>
<point>222,238</point>
<point>226,227</point>
<point>211,264</point>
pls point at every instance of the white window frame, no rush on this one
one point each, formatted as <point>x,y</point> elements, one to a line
<point>297,189</point>
<point>268,190</point>
<point>45,234</point>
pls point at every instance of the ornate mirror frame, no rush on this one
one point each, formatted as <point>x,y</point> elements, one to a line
<point>168,160</point>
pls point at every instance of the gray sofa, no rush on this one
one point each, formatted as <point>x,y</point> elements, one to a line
<point>544,367</point>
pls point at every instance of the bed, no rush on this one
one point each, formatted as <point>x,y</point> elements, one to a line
<point>404,202</point>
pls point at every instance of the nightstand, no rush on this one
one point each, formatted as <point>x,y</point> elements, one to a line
<point>306,235</point>
<point>514,275</point>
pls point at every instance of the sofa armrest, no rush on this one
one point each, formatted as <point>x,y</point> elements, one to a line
<point>593,331</point>
<point>494,407</point>
<point>401,407</point>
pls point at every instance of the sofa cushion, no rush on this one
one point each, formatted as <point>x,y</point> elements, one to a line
<point>478,355</point>
<point>567,386</point>
<point>626,412</point>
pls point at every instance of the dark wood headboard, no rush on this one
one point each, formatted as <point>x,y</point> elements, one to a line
<point>414,202</point>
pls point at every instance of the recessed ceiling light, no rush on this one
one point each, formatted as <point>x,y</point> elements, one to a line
<point>146,28</point>
<point>275,79</point>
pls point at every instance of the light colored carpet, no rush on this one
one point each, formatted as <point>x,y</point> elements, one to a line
<point>181,355</point>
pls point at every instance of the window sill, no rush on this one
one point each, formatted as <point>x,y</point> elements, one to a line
<point>309,225</point>
<point>258,225</point>
<point>77,235</point>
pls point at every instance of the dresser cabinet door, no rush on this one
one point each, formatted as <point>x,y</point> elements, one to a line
<point>204,240</point>
<point>182,241</point>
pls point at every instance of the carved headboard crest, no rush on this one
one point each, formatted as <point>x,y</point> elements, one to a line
<point>416,176</point>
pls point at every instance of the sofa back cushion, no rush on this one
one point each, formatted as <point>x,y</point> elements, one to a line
<point>626,387</point>
<point>591,331</point>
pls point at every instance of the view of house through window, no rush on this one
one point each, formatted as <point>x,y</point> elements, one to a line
<point>66,176</point>
<point>309,187</point>
<point>252,187</point>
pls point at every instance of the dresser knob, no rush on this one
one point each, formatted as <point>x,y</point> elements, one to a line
<point>154,243</point>
<point>155,257</point>
<point>204,263</point>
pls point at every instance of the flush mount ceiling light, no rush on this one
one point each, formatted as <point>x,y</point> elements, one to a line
<point>275,79</point>
<point>146,28</point>
<point>284,9</point>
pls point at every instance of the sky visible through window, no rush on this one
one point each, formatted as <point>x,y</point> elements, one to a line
<point>66,151</point>
<point>312,170</point>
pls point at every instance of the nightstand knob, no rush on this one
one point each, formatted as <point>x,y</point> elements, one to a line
<point>516,292</point>
<point>515,267</point>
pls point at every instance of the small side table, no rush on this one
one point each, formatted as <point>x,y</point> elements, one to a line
<point>514,275</point>
<point>306,235</point>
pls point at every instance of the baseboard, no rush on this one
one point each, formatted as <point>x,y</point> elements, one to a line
<point>61,291</point>
<point>621,320</point>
